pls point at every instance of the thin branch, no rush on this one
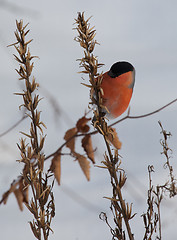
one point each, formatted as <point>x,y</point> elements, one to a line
<point>93,132</point>
<point>13,126</point>
<point>121,120</point>
<point>144,115</point>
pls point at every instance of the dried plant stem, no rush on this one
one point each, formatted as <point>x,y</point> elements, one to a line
<point>41,206</point>
<point>158,202</point>
<point>150,218</point>
<point>171,185</point>
<point>117,191</point>
<point>90,63</point>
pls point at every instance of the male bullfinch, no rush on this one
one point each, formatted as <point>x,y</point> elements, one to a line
<point>117,85</point>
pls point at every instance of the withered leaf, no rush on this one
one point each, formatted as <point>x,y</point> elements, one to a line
<point>113,138</point>
<point>19,196</point>
<point>82,124</point>
<point>84,164</point>
<point>11,189</point>
<point>87,146</point>
<point>69,135</point>
<point>55,167</point>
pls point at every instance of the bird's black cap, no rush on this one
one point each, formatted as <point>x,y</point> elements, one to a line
<point>119,68</point>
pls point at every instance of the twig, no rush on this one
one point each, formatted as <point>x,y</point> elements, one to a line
<point>121,120</point>
<point>144,115</point>
<point>13,126</point>
<point>93,132</point>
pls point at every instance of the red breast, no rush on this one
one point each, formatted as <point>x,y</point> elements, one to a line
<point>117,85</point>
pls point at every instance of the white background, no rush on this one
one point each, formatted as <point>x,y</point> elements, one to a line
<point>141,32</point>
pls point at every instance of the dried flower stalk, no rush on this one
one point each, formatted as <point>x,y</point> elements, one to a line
<point>89,62</point>
<point>152,218</point>
<point>170,186</point>
<point>41,204</point>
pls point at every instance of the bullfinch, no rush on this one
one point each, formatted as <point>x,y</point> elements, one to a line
<point>117,88</point>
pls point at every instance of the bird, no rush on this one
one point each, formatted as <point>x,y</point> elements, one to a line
<point>117,88</point>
